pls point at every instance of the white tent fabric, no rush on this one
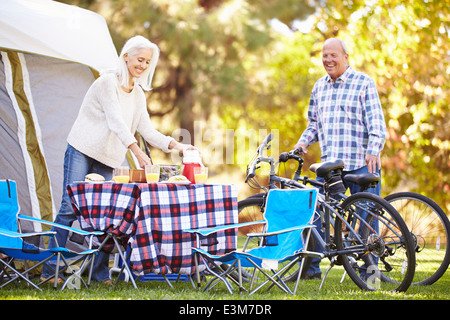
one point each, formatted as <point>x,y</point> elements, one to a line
<point>56,30</point>
<point>49,56</point>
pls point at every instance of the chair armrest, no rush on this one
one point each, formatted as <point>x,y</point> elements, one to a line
<point>78,231</point>
<point>13,234</point>
<point>268,234</point>
<point>208,231</point>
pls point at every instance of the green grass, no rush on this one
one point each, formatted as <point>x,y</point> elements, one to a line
<point>308,290</point>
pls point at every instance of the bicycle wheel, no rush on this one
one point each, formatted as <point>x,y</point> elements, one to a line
<point>251,209</point>
<point>430,228</point>
<point>378,250</point>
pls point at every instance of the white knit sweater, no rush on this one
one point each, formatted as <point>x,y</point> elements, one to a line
<point>108,119</point>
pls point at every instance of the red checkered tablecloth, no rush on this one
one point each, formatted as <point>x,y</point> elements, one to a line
<point>152,217</point>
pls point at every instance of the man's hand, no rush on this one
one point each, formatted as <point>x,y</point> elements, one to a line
<point>373,163</point>
<point>302,146</point>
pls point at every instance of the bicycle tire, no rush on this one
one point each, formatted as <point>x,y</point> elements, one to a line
<point>251,209</point>
<point>390,262</point>
<point>430,227</point>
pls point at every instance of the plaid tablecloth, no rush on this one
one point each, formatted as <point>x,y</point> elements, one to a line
<point>152,218</point>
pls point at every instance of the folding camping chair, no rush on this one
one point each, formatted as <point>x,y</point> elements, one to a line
<point>287,214</point>
<point>28,246</point>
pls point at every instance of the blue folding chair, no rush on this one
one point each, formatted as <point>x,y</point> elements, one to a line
<point>15,245</point>
<point>287,214</point>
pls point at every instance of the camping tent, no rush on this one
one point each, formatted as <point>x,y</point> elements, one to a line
<point>50,54</point>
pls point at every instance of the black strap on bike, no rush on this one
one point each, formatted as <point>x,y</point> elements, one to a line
<point>310,199</point>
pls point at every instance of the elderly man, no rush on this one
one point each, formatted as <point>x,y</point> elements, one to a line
<point>346,118</point>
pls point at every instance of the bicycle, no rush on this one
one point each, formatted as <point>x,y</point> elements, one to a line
<point>427,222</point>
<point>430,228</point>
<point>370,239</point>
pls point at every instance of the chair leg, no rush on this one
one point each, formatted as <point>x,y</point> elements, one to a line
<point>227,273</point>
<point>199,284</point>
<point>167,280</point>
<point>274,281</point>
<point>125,261</point>
<point>300,271</point>
<point>253,279</point>
<point>4,271</point>
<point>218,276</point>
<point>124,271</point>
<point>283,271</point>
<point>85,263</point>
<point>90,270</point>
<point>19,275</point>
<point>55,283</point>
<point>192,282</point>
<point>240,276</point>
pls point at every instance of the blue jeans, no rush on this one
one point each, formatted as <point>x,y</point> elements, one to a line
<point>76,167</point>
<point>354,188</point>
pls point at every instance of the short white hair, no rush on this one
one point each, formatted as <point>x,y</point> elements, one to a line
<point>343,45</point>
<point>131,47</point>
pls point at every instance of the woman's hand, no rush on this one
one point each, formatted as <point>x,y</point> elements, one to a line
<point>181,147</point>
<point>141,156</point>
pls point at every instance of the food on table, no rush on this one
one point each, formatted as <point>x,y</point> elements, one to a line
<point>167,171</point>
<point>94,177</point>
<point>178,179</point>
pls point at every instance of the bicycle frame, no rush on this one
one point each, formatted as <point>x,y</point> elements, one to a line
<point>327,218</point>
<point>327,214</point>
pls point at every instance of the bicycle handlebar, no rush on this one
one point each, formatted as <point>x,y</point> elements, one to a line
<point>252,166</point>
<point>293,154</point>
<point>251,170</point>
<point>283,157</point>
<point>265,144</point>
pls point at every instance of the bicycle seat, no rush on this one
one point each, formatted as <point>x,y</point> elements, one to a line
<point>321,169</point>
<point>364,180</point>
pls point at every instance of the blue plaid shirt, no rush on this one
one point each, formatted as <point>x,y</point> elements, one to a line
<point>346,119</point>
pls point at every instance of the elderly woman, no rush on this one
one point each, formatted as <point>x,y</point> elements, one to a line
<point>113,109</point>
